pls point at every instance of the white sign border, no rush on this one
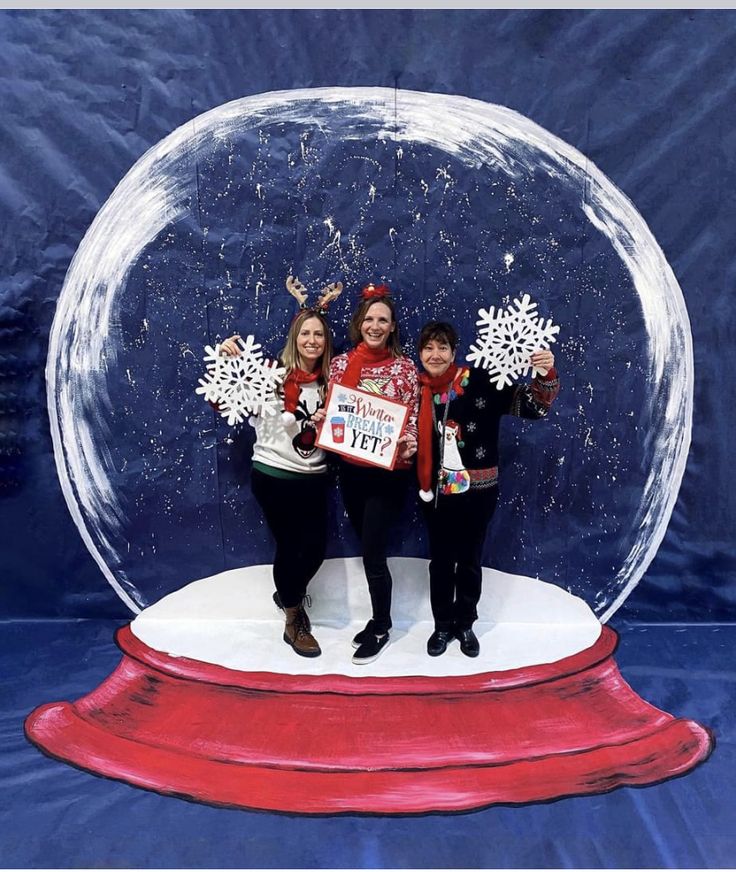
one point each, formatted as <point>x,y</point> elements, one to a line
<point>397,407</point>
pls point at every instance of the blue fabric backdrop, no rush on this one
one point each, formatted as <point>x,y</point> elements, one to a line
<point>644,95</point>
<point>647,96</point>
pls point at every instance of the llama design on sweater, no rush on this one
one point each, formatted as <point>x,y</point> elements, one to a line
<point>454,477</point>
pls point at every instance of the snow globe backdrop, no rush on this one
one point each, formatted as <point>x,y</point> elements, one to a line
<point>458,204</point>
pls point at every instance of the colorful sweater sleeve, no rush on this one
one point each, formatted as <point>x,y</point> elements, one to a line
<point>535,399</point>
<point>338,365</point>
<point>410,396</point>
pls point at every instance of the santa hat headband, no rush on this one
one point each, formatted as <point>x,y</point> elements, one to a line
<point>373,292</point>
<point>299,292</point>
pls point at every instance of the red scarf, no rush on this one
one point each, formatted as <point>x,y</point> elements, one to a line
<point>442,384</point>
<point>363,357</point>
<point>294,379</point>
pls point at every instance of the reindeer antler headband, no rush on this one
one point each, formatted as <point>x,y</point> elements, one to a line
<point>327,295</point>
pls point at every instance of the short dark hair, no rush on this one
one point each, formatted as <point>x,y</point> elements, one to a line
<point>438,331</point>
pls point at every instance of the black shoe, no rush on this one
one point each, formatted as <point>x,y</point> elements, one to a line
<point>370,648</point>
<point>363,635</point>
<point>438,642</point>
<point>469,644</point>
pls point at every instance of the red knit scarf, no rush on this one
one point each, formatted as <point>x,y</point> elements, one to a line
<point>294,380</point>
<point>442,384</point>
<point>362,357</point>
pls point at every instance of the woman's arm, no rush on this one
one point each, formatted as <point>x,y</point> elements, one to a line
<point>534,400</point>
<point>338,365</point>
<point>410,395</point>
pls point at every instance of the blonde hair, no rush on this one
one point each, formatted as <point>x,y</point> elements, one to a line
<point>290,356</point>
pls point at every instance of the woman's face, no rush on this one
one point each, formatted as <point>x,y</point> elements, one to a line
<point>377,326</point>
<point>436,357</point>
<point>310,342</point>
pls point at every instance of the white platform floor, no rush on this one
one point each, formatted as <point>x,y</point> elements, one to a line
<point>230,620</point>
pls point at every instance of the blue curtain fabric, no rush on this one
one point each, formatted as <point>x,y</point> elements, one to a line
<point>645,96</point>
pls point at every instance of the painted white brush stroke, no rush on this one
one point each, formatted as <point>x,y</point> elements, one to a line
<point>154,194</point>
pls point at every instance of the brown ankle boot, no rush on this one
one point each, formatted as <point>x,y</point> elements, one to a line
<point>297,632</point>
<point>307,599</point>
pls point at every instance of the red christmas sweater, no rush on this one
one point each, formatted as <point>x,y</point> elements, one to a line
<point>396,380</point>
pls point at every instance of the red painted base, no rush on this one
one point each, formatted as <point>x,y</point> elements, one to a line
<point>332,744</point>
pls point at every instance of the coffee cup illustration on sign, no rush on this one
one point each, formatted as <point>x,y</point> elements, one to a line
<point>338,429</point>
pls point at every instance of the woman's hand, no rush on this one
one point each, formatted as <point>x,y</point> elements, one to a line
<point>408,446</point>
<point>230,347</point>
<point>319,416</point>
<point>543,361</point>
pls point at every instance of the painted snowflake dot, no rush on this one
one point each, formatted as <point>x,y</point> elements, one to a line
<point>507,338</point>
<point>241,386</point>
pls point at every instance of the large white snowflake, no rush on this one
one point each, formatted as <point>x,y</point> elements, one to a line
<point>241,386</point>
<point>507,338</point>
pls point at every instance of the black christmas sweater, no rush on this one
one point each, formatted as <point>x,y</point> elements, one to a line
<point>466,426</point>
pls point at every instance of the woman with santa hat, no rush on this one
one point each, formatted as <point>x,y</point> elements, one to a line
<point>373,496</point>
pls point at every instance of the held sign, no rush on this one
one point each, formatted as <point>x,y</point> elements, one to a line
<point>363,426</point>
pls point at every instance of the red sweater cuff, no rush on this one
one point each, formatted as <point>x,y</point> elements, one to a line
<point>551,375</point>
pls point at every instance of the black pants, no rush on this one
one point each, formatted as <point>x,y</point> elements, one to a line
<point>296,514</point>
<point>457,529</point>
<point>373,501</point>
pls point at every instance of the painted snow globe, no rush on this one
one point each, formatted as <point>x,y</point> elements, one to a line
<point>465,205</point>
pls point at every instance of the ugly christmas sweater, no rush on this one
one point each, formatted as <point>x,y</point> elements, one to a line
<point>465,425</point>
<point>396,379</point>
<point>291,447</point>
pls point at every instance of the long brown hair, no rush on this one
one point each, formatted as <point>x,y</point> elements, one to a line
<point>393,343</point>
<point>290,357</point>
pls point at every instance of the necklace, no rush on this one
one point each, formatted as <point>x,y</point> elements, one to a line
<point>441,434</point>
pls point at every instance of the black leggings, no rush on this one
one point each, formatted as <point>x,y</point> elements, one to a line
<point>373,501</point>
<point>296,514</point>
<point>457,529</point>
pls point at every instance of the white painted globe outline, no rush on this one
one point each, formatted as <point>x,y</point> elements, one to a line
<point>153,194</point>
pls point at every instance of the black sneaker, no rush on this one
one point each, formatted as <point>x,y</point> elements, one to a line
<point>363,635</point>
<point>369,650</point>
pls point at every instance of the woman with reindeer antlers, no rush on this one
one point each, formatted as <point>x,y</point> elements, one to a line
<point>457,464</point>
<point>374,497</point>
<point>289,474</point>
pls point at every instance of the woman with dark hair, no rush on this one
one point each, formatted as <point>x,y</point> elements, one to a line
<point>457,464</point>
<point>289,473</point>
<point>374,497</point>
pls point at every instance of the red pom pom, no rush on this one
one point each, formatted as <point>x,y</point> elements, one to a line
<point>371,291</point>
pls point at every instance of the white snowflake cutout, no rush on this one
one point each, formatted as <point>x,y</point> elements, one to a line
<point>506,340</point>
<point>241,386</point>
